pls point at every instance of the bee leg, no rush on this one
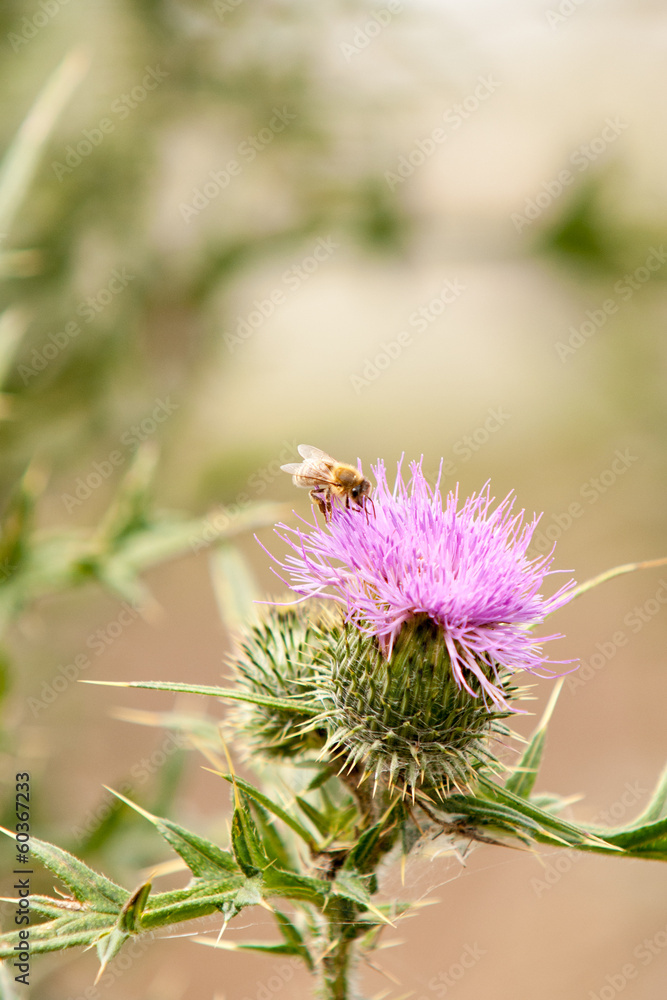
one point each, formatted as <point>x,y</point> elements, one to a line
<point>368,500</point>
<point>322,503</point>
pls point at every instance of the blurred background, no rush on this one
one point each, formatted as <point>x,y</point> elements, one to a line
<point>436,229</point>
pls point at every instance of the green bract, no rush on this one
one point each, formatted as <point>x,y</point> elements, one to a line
<point>403,721</point>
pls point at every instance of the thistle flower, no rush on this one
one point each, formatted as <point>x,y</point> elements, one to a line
<point>467,570</point>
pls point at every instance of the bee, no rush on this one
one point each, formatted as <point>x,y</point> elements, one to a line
<point>327,478</point>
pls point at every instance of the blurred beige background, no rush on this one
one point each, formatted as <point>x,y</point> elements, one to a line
<point>501,306</point>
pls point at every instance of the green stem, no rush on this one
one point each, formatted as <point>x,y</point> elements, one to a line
<point>338,952</point>
<point>617,571</point>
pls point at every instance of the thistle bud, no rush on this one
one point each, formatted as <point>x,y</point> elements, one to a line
<point>275,659</point>
<point>404,720</point>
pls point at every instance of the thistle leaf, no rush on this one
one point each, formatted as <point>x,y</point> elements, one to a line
<point>353,887</point>
<point>86,885</point>
<point>200,900</point>
<point>246,843</point>
<point>647,841</point>
<point>22,159</point>
<point>250,893</point>
<point>293,939</point>
<point>80,919</point>
<point>204,859</point>
<point>321,823</point>
<point>292,944</point>
<point>96,919</point>
<point>334,821</point>
<point>322,776</point>
<point>364,855</point>
<point>274,844</point>
<point>234,585</point>
<point>299,887</point>
<point>128,923</point>
<point>266,948</point>
<point>273,807</point>
<point>545,827</point>
<point>169,535</point>
<point>284,704</point>
<point>522,780</point>
<point>67,931</point>
<point>129,920</point>
<point>657,807</point>
<point>108,946</point>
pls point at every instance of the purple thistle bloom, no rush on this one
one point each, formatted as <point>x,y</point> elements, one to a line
<point>465,569</point>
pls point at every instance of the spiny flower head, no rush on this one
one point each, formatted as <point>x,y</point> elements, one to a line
<point>466,568</point>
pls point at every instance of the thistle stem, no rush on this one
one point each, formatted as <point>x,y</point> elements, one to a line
<point>338,956</point>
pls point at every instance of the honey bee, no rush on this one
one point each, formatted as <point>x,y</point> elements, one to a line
<point>327,478</point>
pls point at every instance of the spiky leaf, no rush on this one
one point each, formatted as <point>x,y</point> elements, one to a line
<point>273,807</point>
<point>85,884</point>
<point>230,694</point>
<point>246,843</point>
<point>204,858</point>
<point>522,781</point>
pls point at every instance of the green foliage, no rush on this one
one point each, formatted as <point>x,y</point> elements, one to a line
<point>331,877</point>
<point>522,779</point>
<point>100,912</point>
<point>131,539</point>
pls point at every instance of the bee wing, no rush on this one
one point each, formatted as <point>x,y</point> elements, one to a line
<point>312,454</point>
<point>309,475</point>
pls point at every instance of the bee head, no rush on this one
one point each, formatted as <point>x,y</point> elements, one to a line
<point>360,491</point>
